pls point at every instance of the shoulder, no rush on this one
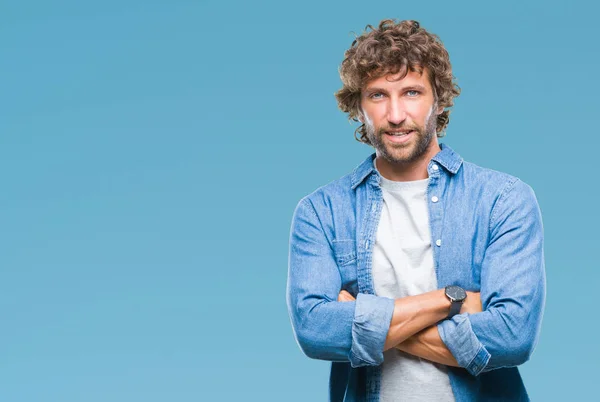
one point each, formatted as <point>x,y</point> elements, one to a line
<point>508,194</point>
<point>336,192</point>
<point>486,176</point>
<point>499,183</point>
<point>330,207</point>
<point>471,178</point>
<point>340,193</point>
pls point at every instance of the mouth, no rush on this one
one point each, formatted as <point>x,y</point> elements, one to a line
<point>399,136</point>
<point>399,133</point>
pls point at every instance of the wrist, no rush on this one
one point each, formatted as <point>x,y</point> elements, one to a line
<point>432,304</point>
<point>443,304</point>
<point>456,297</point>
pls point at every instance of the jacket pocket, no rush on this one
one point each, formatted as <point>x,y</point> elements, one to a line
<point>344,252</point>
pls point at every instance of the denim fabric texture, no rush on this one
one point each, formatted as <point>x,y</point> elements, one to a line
<point>487,236</point>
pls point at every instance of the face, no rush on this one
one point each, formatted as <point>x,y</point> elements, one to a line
<point>400,116</point>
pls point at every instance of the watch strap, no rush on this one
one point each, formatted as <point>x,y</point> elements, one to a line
<point>454,308</point>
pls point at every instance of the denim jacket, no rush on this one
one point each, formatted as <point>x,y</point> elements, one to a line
<point>487,236</point>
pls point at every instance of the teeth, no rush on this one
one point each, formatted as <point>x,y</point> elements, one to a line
<point>398,135</point>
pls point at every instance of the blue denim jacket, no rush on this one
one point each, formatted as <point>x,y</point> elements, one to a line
<point>487,236</point>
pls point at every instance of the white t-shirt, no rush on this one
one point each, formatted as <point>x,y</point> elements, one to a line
<point>403,266</point>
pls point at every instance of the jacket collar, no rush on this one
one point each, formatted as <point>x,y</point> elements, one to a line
<point>449,159</point>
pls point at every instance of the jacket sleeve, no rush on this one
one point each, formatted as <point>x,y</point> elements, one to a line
<point>324,328</point>
<point>513,289</point>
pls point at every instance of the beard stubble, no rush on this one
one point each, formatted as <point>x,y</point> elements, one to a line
<point>400,154</point>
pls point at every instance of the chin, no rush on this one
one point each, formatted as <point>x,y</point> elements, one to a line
<point>407,155</point>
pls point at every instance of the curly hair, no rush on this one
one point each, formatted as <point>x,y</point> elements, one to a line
<point>390,49</point>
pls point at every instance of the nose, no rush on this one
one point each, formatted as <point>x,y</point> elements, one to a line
<point>396,112</point>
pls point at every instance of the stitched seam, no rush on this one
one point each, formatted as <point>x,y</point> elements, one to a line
<point>476,364</point>
<point>359,358</point>
<point>314,213</point>
<point>509,186</point>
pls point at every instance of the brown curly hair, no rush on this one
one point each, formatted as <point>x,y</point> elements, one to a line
<point>391,48</point>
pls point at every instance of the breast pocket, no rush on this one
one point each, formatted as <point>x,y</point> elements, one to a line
<point>345,257</point>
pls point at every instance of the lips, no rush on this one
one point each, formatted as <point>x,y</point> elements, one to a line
<point>398,133</point>
<point>399,137</point>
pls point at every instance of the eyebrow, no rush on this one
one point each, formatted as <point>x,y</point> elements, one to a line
<point>406,88</point>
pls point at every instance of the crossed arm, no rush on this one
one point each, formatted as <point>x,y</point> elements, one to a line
<point>426,343</point>
<point>502,334</point>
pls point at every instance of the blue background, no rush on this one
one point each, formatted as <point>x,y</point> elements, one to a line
<point>152,154</point>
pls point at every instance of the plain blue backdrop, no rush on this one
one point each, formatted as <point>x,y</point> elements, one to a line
<point>152,154</point>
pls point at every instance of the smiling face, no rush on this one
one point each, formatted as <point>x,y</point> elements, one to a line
<point>400,119</point>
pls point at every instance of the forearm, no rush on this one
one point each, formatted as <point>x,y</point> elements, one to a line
<point>428,345</point>
<point>412,314</point>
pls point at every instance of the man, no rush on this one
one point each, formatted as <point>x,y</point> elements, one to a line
<point>418,275</point>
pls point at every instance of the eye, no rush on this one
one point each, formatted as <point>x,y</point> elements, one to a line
<point>376,95</point>
<point>412,93</point>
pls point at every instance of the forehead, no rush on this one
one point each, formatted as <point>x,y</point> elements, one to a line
<point>401,79</point>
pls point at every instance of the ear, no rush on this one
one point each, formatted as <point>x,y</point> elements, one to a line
<point>439,110</point>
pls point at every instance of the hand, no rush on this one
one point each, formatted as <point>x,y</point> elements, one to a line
<point>344,296</point>
<point>472,304</point>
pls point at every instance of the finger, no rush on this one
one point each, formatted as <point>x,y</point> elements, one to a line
<point>345,296</point>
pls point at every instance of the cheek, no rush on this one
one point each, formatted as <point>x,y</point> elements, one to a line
<point>374,115</point>
<point>367,117</point>
<point>423,114</point>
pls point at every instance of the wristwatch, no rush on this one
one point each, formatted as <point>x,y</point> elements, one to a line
<point>457,296</point>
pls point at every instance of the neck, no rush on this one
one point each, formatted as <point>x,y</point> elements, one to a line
<point>407,171</point>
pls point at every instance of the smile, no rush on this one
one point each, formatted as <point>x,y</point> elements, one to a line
<point>399,136</point>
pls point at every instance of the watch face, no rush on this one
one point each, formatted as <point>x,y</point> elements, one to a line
<point>456,293</point>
